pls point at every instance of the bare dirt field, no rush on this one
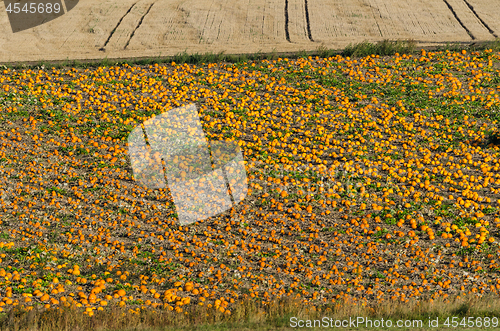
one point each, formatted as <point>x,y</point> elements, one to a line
<point>97,29</point>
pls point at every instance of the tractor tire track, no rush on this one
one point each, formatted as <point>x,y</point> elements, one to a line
<point>116,27</point>
<point>480,19</point>
<point>458,19</point>
<point>138,25</point>
<point>287,33</point>
<point>308,22</point>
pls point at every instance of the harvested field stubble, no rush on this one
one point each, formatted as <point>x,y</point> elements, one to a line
<point>414,215</point>
<point>111,29</point>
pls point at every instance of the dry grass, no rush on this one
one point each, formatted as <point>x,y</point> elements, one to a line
<point>248,315</point>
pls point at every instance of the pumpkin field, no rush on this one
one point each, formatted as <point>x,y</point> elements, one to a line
<point>371,179</point>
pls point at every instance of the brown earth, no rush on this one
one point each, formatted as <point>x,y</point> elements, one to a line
<point>97,29</point>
